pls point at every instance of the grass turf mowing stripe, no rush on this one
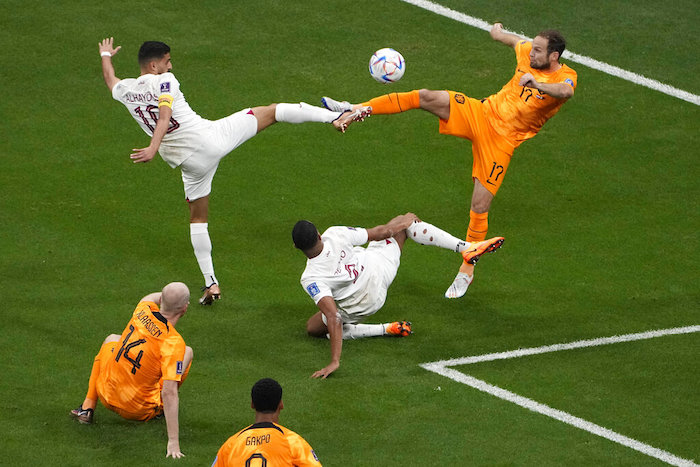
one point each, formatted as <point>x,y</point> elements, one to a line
<point>442,368</point>
<point>582,59</point>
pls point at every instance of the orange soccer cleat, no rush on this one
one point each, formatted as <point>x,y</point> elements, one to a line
<point>399,328</point>
<point>472,254</point>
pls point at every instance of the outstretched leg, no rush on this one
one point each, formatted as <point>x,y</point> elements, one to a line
<point>292,113</point>
<point>315,327</point>
<point>85,412</point>
<point>435,102</point>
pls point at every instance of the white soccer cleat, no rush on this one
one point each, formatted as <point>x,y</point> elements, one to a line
<point>335,106</point>
<point>459,285</point>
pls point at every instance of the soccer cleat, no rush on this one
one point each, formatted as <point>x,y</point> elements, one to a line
<point>399,328</point>
<point>84,416</point>
<point>335,106</point>
<point>459,286</point>
<point>472,254</point>
<point>211,294</point>
<point>346,118</point>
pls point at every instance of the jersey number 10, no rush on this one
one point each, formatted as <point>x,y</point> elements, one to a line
<point>151,124</point>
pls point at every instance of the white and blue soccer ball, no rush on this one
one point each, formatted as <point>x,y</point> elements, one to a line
<point>387,66</point>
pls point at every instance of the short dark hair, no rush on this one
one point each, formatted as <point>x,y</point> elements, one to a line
<point>304,235</point>
<point>555,41</point>
<point>266,395</point>
<point>152,50</point>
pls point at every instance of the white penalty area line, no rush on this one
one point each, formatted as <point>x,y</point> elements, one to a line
<point>442,368</point>
<point>582,59</point>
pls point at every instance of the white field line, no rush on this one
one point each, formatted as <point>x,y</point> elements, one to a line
<point>582,59</point>
<point>441,368</point>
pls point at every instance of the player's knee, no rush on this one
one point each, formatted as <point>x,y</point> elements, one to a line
<point>112,338</point>
<point>314,330</point>
<point>189,354</point>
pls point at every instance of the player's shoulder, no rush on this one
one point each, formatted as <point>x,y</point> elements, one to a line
<point>523,46</point>
<point>342,231</point>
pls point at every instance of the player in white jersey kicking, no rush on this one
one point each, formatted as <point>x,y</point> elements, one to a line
<point>349,283</point>
<point>186,140</point>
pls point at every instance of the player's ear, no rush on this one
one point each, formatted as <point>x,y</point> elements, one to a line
<point>279,407</point>
<point>252,406</point>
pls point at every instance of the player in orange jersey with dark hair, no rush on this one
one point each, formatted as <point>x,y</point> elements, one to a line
<point>495,125</point>
<point>265,442</point>
<point>137,374</point>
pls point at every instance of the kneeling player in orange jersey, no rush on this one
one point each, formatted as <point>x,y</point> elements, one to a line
<point>265,442</point>
<point>137,374</point>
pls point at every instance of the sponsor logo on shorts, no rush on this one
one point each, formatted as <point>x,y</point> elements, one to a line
<point>459,98</point>
<point>315,456</point>
<point>179,368</point>
<point>352,228</point>
<point>569,82</point>
<point>313,289</point>
<point>165,87</point>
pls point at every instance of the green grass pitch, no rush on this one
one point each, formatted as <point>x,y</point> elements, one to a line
<point>600,214</point>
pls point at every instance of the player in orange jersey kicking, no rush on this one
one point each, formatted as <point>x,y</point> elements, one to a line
<point>137,374</point>
<point>495,125</point>
<point>265,442</point>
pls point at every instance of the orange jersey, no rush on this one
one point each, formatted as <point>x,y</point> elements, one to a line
<point>267,444</point>
<point>517,112</point>
<point>149,351</point>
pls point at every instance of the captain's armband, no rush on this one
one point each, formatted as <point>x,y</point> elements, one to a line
<point>165,99</point>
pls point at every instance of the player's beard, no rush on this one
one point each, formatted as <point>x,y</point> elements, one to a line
<point>541,66</point>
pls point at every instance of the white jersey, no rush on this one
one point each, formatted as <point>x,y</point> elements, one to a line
<point>340,272</point>
<point>140,96</point>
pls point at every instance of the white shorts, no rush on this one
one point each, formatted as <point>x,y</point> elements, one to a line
<point>218,139</point>
<point>381,262</point>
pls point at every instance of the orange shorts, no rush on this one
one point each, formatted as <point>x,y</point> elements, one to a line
<point>492,152</point>
<point>109,389</point>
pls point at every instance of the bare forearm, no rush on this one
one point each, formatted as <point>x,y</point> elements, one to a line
<point>558,90</point>
<point>391,228</point>
<point>171,404</point>
<point>335,334</point>
<point>161,126</point>
<point>108,72</point>
<point>498,34</point>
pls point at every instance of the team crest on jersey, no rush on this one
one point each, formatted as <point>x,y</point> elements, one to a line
<point>179,368</point>
<point>165,87</point>
<point>569,82</point>
<point>459,98</point>
<point>313,289</point>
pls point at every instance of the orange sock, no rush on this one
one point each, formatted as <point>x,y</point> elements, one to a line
<point>91,398</point>
<point>394,103</point>
<point>478,226</point>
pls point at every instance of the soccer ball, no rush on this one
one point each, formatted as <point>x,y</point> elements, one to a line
<point>387,66</point>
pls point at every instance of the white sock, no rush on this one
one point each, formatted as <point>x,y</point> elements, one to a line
<point>303,112</point>
<point>358,331</point>
<point>427,234</point>
<point>201,243</point>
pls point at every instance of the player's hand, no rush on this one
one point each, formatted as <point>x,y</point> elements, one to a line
<point>528,80</point>
<point>142,154</point>
<point>174,450</point>
<point>324,372</point>
<point>497,28</point>
<point>107,45</point>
